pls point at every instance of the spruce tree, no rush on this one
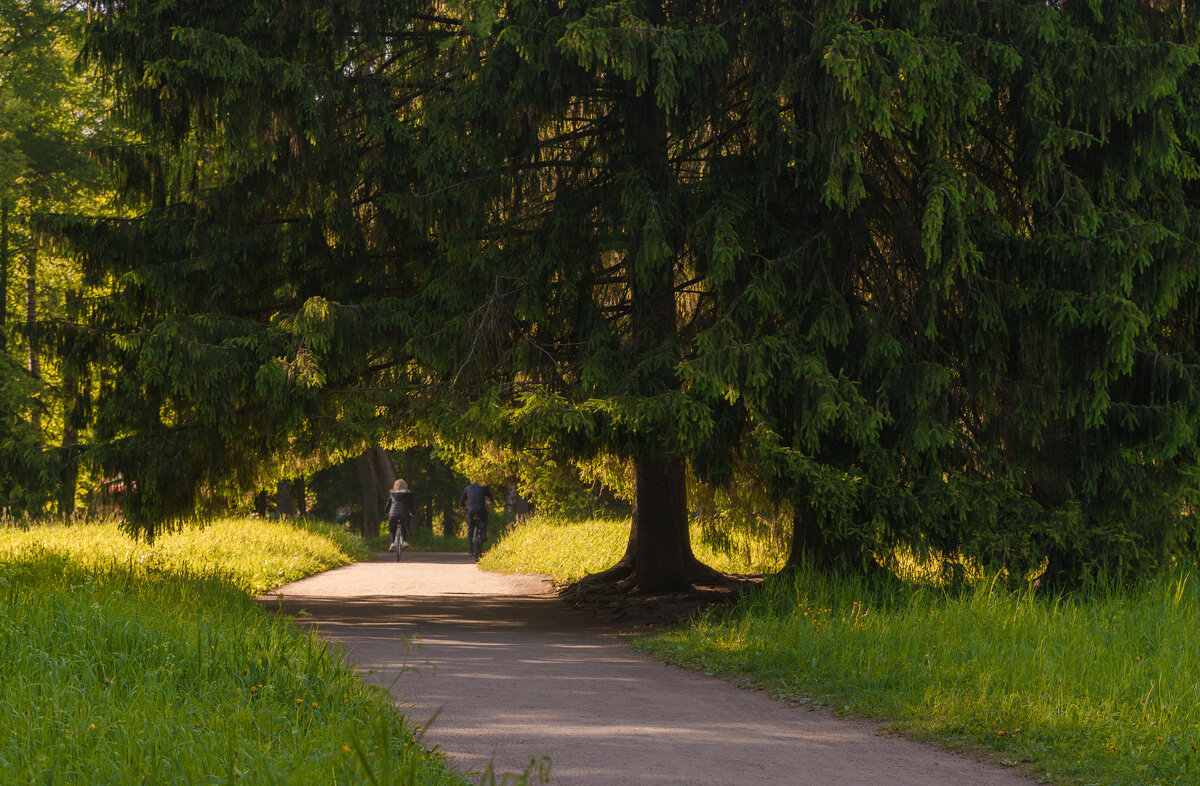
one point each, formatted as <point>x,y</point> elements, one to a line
<point>904,260</point>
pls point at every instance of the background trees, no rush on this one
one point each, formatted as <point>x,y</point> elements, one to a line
<point>903,263</point>
<point>51,120</point>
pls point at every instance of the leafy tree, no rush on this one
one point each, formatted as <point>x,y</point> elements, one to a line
<point>50,119</point>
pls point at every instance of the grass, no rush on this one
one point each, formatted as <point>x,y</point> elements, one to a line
<point>1102,687</point>
<point>127,663</point>
<point>570,549</point>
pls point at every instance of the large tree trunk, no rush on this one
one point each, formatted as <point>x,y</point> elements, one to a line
<point>659,556</point>
<point>808,541</point>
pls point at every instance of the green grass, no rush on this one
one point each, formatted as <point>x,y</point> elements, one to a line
<point>126,663</point>
<point>1102,687</point>
<point>570,549</point>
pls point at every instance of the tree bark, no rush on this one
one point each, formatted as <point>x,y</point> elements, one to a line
<point>658,557</point>
<point>31,331</point>
<point>4,211</point>
<point>385,472</point>
<point>283,499</point>
<point>370,494</point>
<point>74,392</point>
<point>808,540</point>
<point>300,495</point>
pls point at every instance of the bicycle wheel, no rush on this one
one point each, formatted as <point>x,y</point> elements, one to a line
<point>399,545</point>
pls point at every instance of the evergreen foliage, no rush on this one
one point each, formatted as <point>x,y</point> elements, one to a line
<point>903,261</point>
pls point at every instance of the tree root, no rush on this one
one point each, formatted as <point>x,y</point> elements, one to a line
<point>616,595</point>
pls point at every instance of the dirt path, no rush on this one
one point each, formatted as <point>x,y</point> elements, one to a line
<point>508,674</point>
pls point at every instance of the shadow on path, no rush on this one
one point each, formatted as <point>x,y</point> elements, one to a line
<point>510,674</point>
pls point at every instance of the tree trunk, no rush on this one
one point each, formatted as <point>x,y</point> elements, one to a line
<point>300,495</point>
<point>659,555</point>
<point>369,487</point>
<point>4,210</point>
<point>74,391</point>
<point>34,359</point>
<point>283,499</point>
<point>262,502</point>
<point>808,540</point>
<point>449,526</point>
<point>381,464</point>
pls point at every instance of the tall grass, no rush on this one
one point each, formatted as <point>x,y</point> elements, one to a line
<point>252,554</point>
<point>1100,688</point>
<point>127,663</point>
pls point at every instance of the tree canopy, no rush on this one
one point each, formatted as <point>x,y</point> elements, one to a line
<point>901,261</point>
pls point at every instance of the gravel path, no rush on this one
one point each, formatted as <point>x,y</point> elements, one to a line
<point>500,672</point>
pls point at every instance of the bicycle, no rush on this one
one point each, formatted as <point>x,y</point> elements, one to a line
<point>475,526</point>
<point>397,544</point>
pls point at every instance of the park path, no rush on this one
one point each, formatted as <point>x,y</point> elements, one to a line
<point>501,672</point>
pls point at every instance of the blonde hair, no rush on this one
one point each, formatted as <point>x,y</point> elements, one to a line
<point>400,485</point>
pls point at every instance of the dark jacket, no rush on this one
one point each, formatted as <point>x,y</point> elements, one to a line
<point>475,497</point>
<point>399,505</point>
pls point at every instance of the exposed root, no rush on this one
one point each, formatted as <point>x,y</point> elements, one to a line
<point>616,596</point>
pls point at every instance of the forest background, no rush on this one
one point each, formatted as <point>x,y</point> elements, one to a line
<point>879,278</point>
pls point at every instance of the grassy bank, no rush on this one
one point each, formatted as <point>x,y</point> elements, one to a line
<point>1097,688</point>
<point>128,663</point>
<point>570,549</point>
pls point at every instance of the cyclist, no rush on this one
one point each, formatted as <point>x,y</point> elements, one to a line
<point>399,511</point>
<point>477,499</point>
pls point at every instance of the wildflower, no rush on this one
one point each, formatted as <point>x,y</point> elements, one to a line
<point>346,748</point>
<point>314,705</point>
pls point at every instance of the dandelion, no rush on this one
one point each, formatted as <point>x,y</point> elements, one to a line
<point>346,748</point>
<point>314,705</point>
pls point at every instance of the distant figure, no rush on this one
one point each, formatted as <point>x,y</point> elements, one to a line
<point>399,512</point>
<point>477,499</point>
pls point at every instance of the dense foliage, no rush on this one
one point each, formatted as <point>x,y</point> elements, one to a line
<point>902,262</point>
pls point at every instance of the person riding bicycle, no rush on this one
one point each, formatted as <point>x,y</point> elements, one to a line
<point>477,499</point>
<point>399,512</point>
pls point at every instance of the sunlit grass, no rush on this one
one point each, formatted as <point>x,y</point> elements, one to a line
<point>128,663</point>
<point>1101,688</point>
<point>570,549</point>
<point>252,554</point>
